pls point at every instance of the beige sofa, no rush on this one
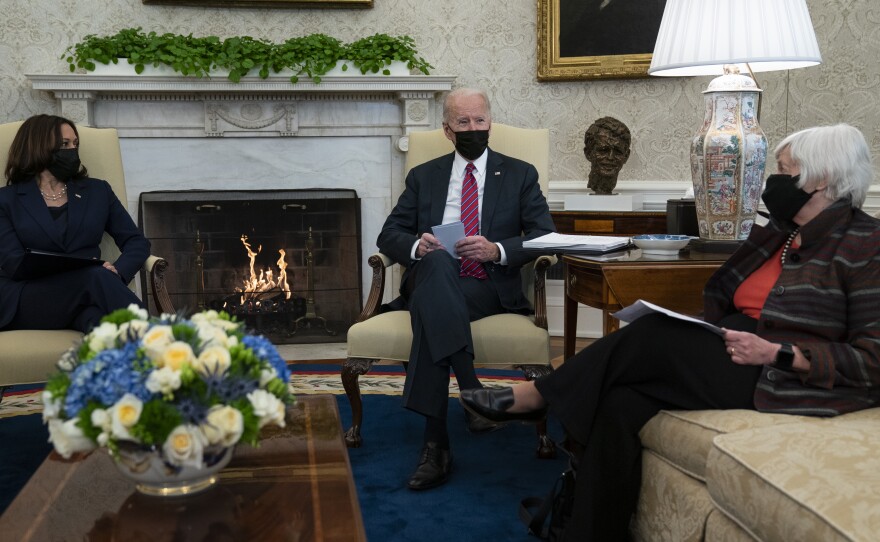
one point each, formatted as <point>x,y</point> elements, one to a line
<point>739,475</point>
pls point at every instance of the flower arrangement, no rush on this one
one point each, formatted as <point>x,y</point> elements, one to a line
<point>177,386</point>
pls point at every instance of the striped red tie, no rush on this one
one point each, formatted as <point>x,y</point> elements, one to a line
<point>470,217</point>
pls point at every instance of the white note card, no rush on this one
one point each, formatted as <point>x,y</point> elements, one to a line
<point>448,235</point>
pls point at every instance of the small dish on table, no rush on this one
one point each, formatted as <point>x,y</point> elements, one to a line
<point>663,244</point>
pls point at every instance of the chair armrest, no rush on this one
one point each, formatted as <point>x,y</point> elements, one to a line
<point>156,268</point>
<point>378,262</point>
<point>542,264</point>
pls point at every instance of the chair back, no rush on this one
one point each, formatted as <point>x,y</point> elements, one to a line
<point>527,144</point>
<point>99,151</point>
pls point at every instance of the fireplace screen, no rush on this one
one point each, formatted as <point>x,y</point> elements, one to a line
<point>287,262</point>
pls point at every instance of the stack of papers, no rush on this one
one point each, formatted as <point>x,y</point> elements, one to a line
<point>586,243</point>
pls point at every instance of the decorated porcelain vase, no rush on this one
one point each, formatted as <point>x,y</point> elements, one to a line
<point>727,159</point>
<point>155,476</point>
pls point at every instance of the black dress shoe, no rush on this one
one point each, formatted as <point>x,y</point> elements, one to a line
<point>434,467</point>
<point>492,404</point>
<point>478,424</point>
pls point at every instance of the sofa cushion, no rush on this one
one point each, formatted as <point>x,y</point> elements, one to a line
<point>683,438</point>
<point>502,339</point>
<point>29,356</point>
<point>816,480</point>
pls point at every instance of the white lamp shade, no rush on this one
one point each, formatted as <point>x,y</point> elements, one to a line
<point>698,37</point>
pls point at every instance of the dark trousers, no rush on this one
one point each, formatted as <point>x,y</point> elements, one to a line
<point>607,392</point>
<point>71,300</point>
<point>442,304</point>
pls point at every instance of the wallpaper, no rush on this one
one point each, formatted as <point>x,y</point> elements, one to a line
<point>490,44</point>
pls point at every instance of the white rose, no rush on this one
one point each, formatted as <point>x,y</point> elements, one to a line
<point>213,360</point>
<point>101,419</point>
<point>212,317</point>
<point>267,407</point>
<point>156,339</point>
<point>103,337</point>
<point>133,329</point>
<point>164,380</point>
<point>124,414</point>
<point>138,311</point>
<point>67,438</point>
<point>176,355</point>
<point>223,425</point>
<point>184,446</point>
<point>266,375</point>
<point>211,335</point>
<point>51,407</point>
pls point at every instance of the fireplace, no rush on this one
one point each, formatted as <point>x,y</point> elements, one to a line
<point>287,262</point>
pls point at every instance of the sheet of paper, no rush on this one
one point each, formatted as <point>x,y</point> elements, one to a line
<point>641,308</point>
<point>448,235</point>
<point>577,242</point>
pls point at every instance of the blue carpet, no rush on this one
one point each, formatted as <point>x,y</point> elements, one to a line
<point>491,473</point>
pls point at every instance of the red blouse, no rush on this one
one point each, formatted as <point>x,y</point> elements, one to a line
<point>750,296</point>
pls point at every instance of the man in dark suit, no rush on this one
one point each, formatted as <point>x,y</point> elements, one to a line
<point>444,294</point>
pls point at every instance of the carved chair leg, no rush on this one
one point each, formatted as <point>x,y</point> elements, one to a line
<point>546,446</point>
<point>352,369</point>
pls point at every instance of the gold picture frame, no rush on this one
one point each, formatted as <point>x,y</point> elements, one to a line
<point>266,3</point>
<point>553,66</point>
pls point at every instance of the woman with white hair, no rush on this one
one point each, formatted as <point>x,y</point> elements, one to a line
<point>798,306</point>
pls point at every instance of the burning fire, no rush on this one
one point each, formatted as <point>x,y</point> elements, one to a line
<point>264,285</point>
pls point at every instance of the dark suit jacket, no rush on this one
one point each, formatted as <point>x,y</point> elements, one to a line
<point>514,209</point>
<point>92,209</point>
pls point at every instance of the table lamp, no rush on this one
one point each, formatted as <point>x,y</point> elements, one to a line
<point>731,38</point>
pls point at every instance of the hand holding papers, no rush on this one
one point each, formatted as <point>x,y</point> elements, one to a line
<point>641,308</point>
<point>574,243</point>
<point>448,235</point>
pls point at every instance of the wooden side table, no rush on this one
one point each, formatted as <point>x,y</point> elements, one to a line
<point>609,222</point>
<point>613,281</point>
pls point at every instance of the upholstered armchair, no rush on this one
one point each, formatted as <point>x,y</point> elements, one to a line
<point>500,340</point>
<point>29,356</point>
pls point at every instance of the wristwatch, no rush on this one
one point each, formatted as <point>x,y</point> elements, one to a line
<point>785,357</point>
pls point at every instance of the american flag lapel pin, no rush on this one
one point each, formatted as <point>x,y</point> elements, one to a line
<point>77,195</point>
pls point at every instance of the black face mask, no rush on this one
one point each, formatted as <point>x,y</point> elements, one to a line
<point>471,143</point>
<point>65,164</point>
<point>783,198</point>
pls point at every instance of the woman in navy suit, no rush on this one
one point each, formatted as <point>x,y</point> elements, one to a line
<point>51,204</point>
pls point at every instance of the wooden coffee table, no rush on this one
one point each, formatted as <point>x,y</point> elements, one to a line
<point>297,485</point>
<point>612,281</point>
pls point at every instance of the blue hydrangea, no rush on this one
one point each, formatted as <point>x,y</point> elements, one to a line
<point>267,352</point>
<point>106,378</point>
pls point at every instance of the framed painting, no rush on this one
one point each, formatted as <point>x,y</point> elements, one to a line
<point>596,39</point>
<point>266,3</point>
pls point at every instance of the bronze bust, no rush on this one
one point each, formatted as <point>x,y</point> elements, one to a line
<point>606,146</point>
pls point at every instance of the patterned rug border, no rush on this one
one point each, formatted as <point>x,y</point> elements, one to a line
<point>305,379</point>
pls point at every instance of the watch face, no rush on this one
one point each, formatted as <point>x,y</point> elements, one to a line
<point>785,357</point>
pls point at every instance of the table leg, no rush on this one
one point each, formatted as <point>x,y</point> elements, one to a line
<point>610,324</point>
<point>570,307</point>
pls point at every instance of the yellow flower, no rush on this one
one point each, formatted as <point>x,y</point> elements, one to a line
<point>124,414</point>
<point>224,425</point>
<point>184,446</point>
<point>213,360</point>
<point>176,355</point>
<point>156,339</point>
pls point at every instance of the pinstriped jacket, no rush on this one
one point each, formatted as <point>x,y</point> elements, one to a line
<point>826,301</point>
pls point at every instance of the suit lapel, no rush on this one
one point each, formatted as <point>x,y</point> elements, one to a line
<point>77,203</point>
<point>440,189</point>
<point>491,190</point>
<point>33,204</point>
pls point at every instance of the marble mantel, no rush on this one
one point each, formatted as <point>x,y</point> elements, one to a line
<point>180,133</point>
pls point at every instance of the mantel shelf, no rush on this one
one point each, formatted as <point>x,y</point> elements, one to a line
<point>248,85</point>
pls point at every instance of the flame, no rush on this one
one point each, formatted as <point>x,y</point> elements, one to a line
<point>264,285</point>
